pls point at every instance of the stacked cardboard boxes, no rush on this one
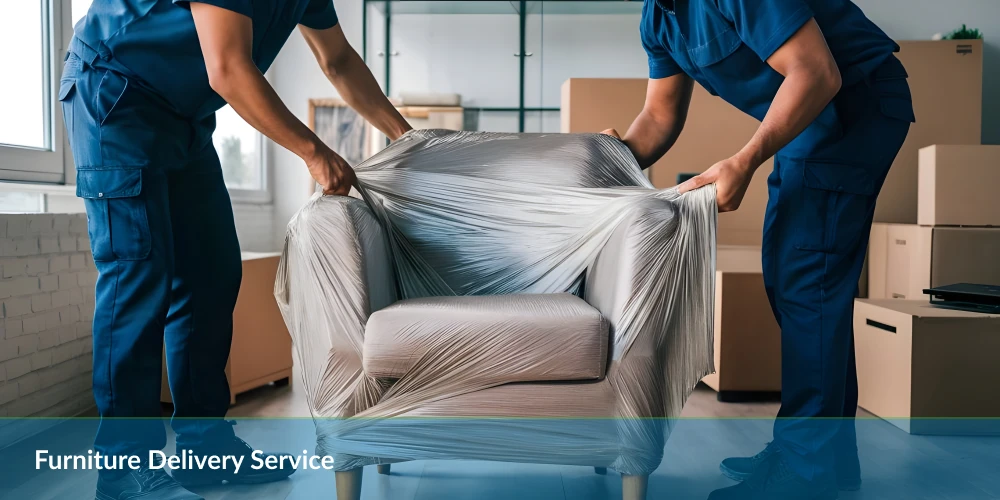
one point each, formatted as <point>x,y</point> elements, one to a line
<point>914,359</point>
<point>957,235</point>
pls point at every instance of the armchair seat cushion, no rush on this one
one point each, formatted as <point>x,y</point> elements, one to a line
<point>528,337</point>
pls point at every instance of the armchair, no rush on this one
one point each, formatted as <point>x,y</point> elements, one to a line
<point>567,326</point>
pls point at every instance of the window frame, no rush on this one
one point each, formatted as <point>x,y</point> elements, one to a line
<point>48,164</point>
<point>52,169</point>
<point>263,195</point>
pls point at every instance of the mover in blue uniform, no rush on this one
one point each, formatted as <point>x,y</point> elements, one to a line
<point>834,107</point>
<point>139,91</point>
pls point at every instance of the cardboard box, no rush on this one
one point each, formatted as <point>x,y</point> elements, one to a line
<point>917,362</point>
<point>957,186</point>
<point>905,259</point>
<point>262,348</point>
<point>946,81</point>
<point>747,337</point>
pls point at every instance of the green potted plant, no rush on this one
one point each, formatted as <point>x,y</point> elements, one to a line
<point>964,33</point>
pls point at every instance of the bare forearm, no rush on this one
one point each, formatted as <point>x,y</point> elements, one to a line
<point>245,89</point>
<point>650,137</point>
<point>812,80</point>
<point>799,100</point>
<point>658,126</point>
<point>226,39</point>
<point>358,88</point>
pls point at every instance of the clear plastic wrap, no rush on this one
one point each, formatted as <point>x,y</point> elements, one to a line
<point>463,213</point>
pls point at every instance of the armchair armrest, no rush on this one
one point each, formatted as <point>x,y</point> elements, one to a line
<point>335,271</point>
<point>627,268</point>
<point>654,280</point>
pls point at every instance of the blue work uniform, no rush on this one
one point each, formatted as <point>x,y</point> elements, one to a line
<point>140,115</point>
<point>821,193</point>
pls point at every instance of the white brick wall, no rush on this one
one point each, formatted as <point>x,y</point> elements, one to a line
<point>47,279</point>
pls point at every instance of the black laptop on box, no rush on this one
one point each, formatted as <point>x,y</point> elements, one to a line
<point>967,297</point>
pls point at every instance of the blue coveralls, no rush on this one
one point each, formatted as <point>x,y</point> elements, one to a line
<point>821,193</point>
<point>140,115</point>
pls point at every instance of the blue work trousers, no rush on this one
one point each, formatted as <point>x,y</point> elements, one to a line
<point>164,242</point>
<point>821,201</point>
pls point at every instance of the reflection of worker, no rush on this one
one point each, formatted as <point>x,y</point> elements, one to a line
<point>834,107</point>
<point>140,88</point>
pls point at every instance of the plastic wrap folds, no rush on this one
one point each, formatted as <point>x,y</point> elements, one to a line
<point>449,214</point>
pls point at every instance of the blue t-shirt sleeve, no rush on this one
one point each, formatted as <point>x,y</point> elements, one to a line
<point>765,25</point>
<point>319,15</point>
<point>244,7</point>
<point>661,63</point>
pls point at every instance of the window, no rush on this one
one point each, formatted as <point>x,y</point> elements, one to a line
<point>31,135</point>
<point>239,147</point>
<point>23,98</point>
<point>33,146</point>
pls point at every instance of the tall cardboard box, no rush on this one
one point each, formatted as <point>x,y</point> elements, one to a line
<point>905,259</point>
<point>946,81</point>
<point>957,186</point>
<point>921,366</point>
<point>747,337</point>
<point>261,352</point>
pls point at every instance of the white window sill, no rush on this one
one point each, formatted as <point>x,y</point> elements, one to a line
<point>62,198</point>
<point>30,187</point>
<point>250,197</point>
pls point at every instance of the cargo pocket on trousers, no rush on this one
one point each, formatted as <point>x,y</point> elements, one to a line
<point>834,205</point>
<point>66,88</point>
<point>116,213</point>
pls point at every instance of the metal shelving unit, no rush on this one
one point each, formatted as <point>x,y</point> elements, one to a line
<point>521,8</point>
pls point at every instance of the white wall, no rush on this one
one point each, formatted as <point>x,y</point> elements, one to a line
<point>473,55</point>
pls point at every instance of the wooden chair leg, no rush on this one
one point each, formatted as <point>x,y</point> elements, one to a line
<point>349,484</point>
<point>384,469</point>
<point>634,487</point>
<point>601,470</point>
